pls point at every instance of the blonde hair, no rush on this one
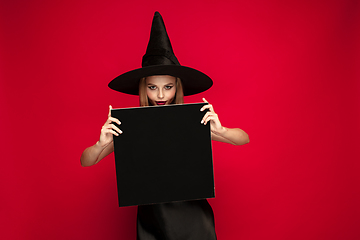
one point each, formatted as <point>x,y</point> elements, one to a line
<point>144,100</point>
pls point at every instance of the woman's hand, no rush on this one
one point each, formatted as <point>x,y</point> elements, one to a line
<point>215,125</point>
<point>109,129</point>
<point>234,136</point>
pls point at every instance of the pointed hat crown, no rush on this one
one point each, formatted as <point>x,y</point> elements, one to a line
<point>159,50</point>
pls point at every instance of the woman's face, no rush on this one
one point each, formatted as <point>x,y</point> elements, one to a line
<point>160,89</point>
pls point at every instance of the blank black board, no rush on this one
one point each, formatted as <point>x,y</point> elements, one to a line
<point>164,154</point>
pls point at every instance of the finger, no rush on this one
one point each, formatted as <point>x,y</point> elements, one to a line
<point>113,132</point>
<point>109,130</point>
<point>204,100</point>
<point>110,107</point>
<point>205,117</point>
<point>109,124</point>
<point>208,106</point>
<point>112,119</point>
<point>210,118</point>
<point>115,128</point>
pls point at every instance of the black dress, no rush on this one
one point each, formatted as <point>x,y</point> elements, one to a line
<point>187,220</point>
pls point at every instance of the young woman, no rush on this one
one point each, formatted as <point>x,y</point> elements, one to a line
<point>163,81</point>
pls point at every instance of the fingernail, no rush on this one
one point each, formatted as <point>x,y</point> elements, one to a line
<point>202,121</point>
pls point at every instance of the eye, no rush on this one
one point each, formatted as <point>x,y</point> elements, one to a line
<point>169,87</point>
<point>152,87</point>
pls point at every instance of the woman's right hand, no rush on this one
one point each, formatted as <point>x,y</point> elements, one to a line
<point>109,129</point>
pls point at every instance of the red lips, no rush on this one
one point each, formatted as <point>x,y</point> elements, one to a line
<point>160,102</point>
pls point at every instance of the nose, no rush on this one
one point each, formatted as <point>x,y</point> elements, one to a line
<point>160,94</point>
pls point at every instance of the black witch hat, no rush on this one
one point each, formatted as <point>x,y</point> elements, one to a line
<point>160,59</point>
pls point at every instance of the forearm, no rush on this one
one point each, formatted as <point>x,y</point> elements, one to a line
<point>235,136</point>
<point>93,155</point>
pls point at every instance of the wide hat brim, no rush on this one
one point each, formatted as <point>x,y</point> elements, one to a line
<point>193,81</point>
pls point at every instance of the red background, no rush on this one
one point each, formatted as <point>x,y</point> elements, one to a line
<point>287,72</point>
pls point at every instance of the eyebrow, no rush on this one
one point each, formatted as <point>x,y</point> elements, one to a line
<point>165,84</point>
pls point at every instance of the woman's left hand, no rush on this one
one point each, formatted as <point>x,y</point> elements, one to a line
<point>215,125</point>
